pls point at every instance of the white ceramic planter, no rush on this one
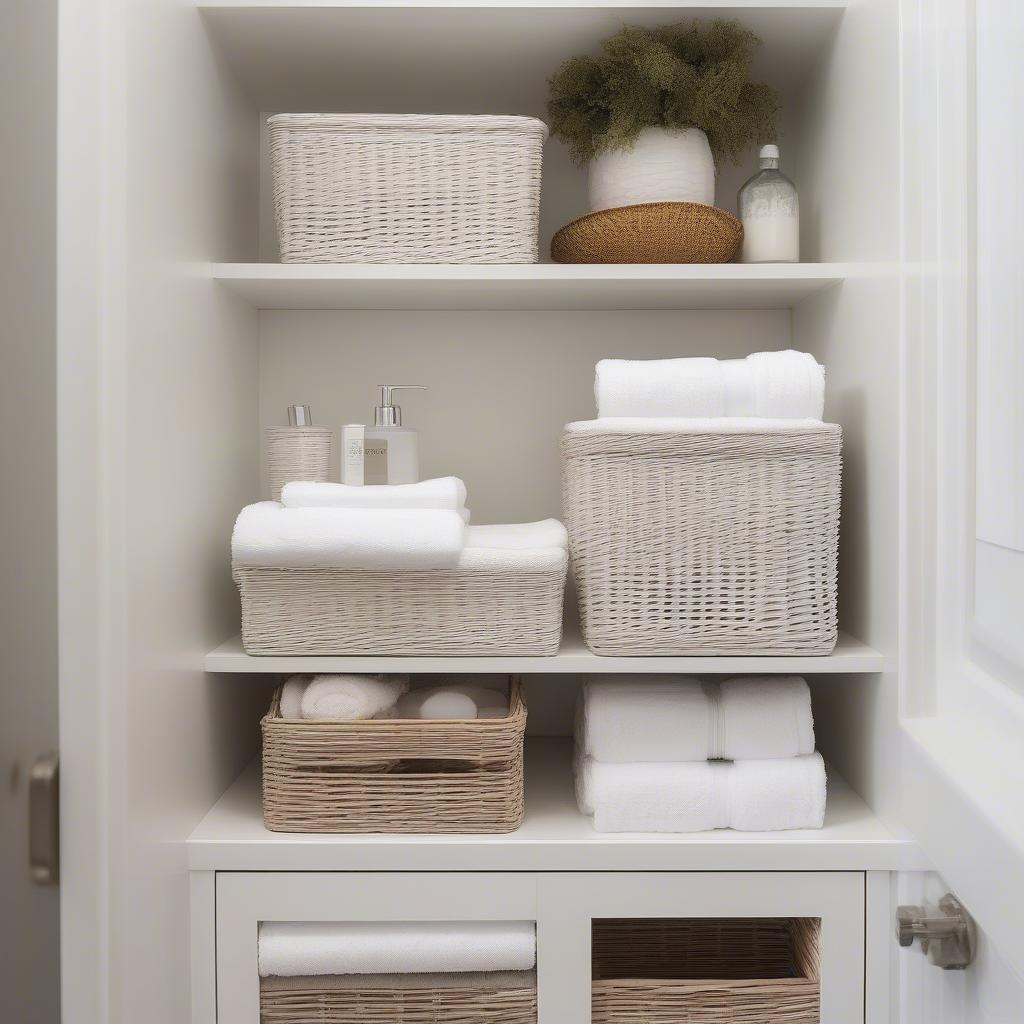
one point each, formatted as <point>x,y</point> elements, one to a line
<point>665,166</point>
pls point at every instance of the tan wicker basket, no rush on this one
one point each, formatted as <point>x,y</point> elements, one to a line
<point>650,233</point>
<point>711,971</point>
<point>700,543</point>
<point>296,453</point>
<point>394,775</point>
<point>456,613</point>
<point>505,998</point>
<point>403,188</point>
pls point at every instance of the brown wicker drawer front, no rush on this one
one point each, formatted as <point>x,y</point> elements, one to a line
<point>402,1000</point>
<point>695,543</point>
<point>707,971</point>
<point>445,612</point>
<point>394,776</point>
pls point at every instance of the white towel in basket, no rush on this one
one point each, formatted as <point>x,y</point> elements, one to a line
<point>643,718</point>
<point>352,697</point>
<point>268,535</point>
<point>694,796</point>
<point>769,385</point>
<point>291,949</point>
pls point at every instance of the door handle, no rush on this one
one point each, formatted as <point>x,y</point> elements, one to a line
<point>44,820</point>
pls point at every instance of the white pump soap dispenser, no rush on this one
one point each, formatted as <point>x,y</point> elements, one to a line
<point>389,445</point>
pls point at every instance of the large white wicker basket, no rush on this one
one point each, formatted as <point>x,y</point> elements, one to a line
<point>404,188</point>
<point>700,543</point>
<point>454,612</point>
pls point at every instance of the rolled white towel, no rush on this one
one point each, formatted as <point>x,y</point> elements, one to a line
<point>783,385</point>
<point>446,492</point>
<point>352,697</point>
<point>269,535</point>
<point>694,796</point>
<point>291,696</point>
<point>642,718</point>
<point>291,949</point>
<point>453,700</point>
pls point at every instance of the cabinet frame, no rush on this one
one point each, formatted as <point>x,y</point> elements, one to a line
<point>563,904</point>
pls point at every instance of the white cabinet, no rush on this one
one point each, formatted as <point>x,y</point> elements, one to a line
<point>562,904</point>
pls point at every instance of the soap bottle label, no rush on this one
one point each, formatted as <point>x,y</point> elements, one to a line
<point>375,461</point>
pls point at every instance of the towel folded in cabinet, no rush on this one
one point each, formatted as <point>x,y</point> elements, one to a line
<point>638,718</point>
<point>408,947</point>
<point>547,533</point>
<point>290,703</point>
<point>446,492</point>
<point>786,385</point>
<point>694,796</point>
<point>352,697</point>
<point>690,425</point>
<point>453,701</point>
<point>268,535</point>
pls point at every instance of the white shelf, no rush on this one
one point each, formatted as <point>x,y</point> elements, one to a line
<point>553,837</point>
<point>470,56</point>
<point>849,656</point>
<point>532,286</point>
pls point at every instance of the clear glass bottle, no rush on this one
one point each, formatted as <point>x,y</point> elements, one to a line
<point>770,210</point>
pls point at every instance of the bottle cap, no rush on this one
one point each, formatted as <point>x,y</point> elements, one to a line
<point>387,414</point>
<point>769,152</point>
<point>299,416</point>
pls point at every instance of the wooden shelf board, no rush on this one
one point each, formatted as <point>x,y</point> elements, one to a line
<point>553,837</point>
<point>531,286</point>
<point>850,656</point>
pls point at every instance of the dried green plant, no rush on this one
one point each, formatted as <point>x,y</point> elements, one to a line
<point>685,75</point>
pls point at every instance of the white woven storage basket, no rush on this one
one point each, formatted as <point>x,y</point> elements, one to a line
<point>702,543</point>
<point>405,188</point>
<point>452,612</point>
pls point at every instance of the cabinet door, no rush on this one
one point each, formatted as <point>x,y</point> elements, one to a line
<point>836,898</point>
<point>244,899</point>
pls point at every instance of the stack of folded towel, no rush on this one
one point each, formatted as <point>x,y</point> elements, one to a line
<point>405,526</point>
<point>679,755</point>
<point>316,949</point>
<point>360,697</point>
<point>767,385</point>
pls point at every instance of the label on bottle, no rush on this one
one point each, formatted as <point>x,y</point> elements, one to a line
<point>375,461</point>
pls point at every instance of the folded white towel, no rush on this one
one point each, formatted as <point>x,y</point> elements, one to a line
<point>446,492</point>
<point>352,697</point>
<point>291,696</point>
<point>269,535</point>
<point>548,533</point>
<point>786,385</point>
<point>694,796</point>
<point>453,700</point>
<point>299,948</point>
<point>638,718</point>
<point>688,425</point>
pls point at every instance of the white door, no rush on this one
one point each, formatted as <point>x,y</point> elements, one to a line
<point>29,913</point>
<point>962,702</point>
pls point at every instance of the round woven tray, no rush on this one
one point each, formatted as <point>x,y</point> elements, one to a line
<point>650,233</point>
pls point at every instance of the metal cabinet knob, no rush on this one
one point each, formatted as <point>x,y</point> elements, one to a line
<point>947,933</point>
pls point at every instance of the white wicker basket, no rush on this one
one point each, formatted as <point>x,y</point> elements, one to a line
<point>404,188</point>
<point>463,612</point>
<point>701,543</point>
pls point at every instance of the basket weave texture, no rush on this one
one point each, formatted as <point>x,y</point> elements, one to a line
<point>455,613</point>
<point>702,543</point>
<point>403,188</point>
<point>406,1002</point>
<point>707,971</point>
<point>650,233</point>
<point>297,453</point>
<point>394,775</point>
